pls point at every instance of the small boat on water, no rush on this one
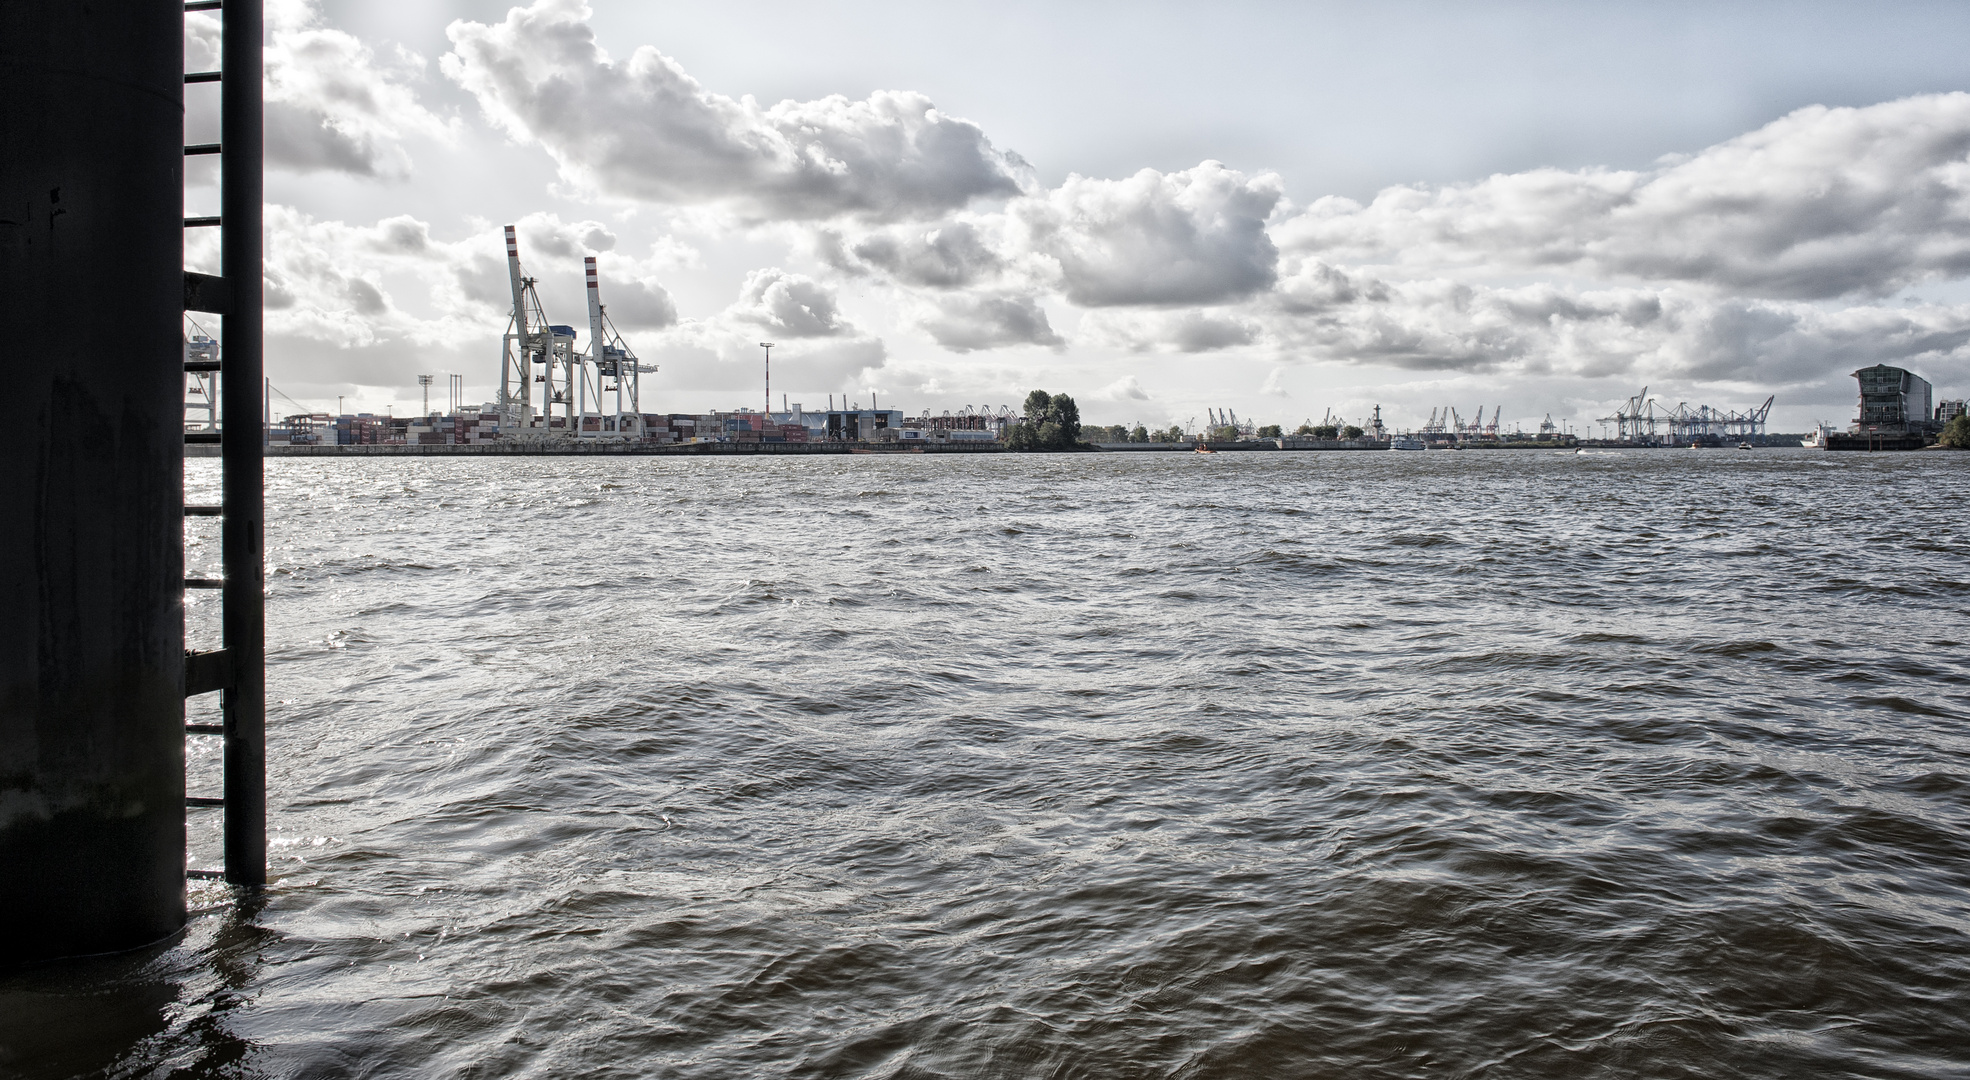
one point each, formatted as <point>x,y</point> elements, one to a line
<point>1744,446</point>
<point>1202,449</point>
<point>1405,442</point>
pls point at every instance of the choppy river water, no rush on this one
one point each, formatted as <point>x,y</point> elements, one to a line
<point>1638,764</point>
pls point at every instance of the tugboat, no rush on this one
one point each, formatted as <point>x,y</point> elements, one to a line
<point>1202,449</point>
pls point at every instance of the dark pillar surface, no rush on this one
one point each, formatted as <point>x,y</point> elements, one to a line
<point>242,133</point>
<point>92,826</point>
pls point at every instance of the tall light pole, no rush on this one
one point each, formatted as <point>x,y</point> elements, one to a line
<point>768,346</point>
<point>425,382</point>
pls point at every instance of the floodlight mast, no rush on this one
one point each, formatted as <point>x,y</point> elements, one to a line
<point>768,346</point>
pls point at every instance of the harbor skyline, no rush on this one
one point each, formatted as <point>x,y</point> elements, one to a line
<point>1279,244</point>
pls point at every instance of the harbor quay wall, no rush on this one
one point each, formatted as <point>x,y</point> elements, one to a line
<point>596,449</point>
<point>1247,444</point>
<point>604,449</point>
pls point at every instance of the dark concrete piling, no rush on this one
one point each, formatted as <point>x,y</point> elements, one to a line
<point>92,826</point>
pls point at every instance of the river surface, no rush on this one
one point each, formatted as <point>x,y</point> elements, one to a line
<point>1617,764</point>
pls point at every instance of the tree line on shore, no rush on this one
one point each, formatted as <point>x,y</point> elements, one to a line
<point>1116,433</point>
<point>1053,422</point>
<point>1956,433</point>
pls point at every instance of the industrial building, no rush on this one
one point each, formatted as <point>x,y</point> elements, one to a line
<point>1897,412</point>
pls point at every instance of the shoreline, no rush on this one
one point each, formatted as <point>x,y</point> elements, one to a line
<point>748,449</point>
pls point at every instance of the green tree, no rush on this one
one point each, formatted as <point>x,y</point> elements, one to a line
<point>1304,429</point>
<point>1271,431</point>
<point>1068,416</point>
<point>1326,431</point>
<point>1053,422</point>
<point>1351,432</point>
<point>1175,434</point>
<point>1038,404</point>
<point>1140,434</point>
<point>1957,432</point>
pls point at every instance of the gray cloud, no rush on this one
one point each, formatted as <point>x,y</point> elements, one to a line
<point>366,298</point>
<point>954,255</point>
<point>1191,237</point>
<point>541,235</point>
<point>788,305</point>
<point>1630,333</point>
<point>1821,203</point>
<point>331,104</point>
<point>645,129</point>
<point>639,304</point>
<point>969,322</point>
<point>1172,331</point>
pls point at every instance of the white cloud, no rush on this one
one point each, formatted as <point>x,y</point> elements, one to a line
<point>788,305</point>
<point>1194,331</point>
<point>355,286</point>
<point>1627,332</point>
<point>332,105</point>
<point>1192,237</point>
<point>955,254</point>
<point>967,322</point>
<point>1123,389</point>
<point>644,129</point>
<point>1821,203</point>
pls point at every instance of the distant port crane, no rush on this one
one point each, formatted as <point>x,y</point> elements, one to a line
<point>614,368</point>
<point>1643,419</point>
<point>534,352</point>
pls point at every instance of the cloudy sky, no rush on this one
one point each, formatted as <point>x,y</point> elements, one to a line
<point>1161,208</point>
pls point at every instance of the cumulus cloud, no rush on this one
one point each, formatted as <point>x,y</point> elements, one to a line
<point>644,129</point>
<point>1821,203</point>
<point>332,105</point>
<point>1175,331</point>
<point>1192,237</point>
<point>788,305</point>
<point>1123,389</point>
<point>954,255</point>
<point>641,305</point>
<point>359,286</point>
<point>968,322</point>
<point>1627,332</point>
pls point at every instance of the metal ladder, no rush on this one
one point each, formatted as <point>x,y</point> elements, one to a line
<point>237,670</point>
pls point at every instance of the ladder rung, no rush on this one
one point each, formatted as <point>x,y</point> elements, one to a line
<point>202,222</point>
<point>201,76</point>
<point>205,583</point>
<point>203,511</point>
<point>201,365</point>
<point>200,800</point>
<point>209,875</point>
<point>205,729</point>
<point>201,436</point>
<point>208,292</point>
<point>201,148</point>
<point>207,671</point>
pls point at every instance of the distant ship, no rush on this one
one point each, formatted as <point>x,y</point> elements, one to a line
<point>1818,437</point>
<point>1405,442</point>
